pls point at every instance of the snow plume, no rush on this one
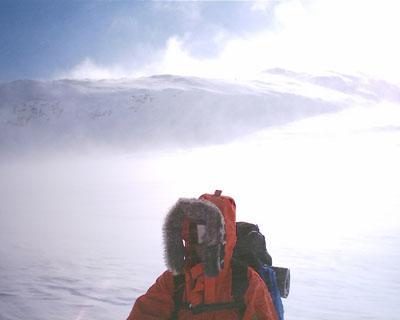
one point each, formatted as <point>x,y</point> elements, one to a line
<point>88,69</point>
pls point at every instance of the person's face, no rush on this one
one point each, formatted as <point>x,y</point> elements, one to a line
<point>199,249</point>
<point>199,246</point>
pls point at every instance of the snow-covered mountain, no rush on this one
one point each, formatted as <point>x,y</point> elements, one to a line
<point>166,110</point>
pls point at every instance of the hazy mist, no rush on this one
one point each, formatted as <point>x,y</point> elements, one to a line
<point>315,165</point>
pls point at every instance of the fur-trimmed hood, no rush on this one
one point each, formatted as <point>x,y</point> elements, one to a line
<point>217,213</point>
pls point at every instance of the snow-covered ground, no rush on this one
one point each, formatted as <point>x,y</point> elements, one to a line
<point>80,233</point>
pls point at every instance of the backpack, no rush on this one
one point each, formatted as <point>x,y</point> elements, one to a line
<point>250,251</point>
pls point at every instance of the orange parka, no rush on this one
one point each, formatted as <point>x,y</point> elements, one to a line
<point>158,302</point>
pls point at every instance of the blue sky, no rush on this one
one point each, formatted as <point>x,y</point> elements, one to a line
<point>112,39</point>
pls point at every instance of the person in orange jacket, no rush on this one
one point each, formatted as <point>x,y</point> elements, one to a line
<point>199,238</point>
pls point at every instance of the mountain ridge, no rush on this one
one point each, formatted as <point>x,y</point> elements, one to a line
<point>161,110</point>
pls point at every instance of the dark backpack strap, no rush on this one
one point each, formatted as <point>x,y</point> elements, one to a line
<point>179,285</point>
<point>240,283</point>
<point>210,307</point>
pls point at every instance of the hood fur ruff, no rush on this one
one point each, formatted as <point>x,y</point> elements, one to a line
<point>198,211</point>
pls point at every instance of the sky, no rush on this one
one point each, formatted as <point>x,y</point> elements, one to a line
<point>87,39</point>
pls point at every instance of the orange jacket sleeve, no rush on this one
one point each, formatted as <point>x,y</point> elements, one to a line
<point>259,305</point>
<point>157,303</point>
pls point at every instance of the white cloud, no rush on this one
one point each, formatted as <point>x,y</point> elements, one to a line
<point>261,5</point>
<point>189,11</point>
<point>344,36</point>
